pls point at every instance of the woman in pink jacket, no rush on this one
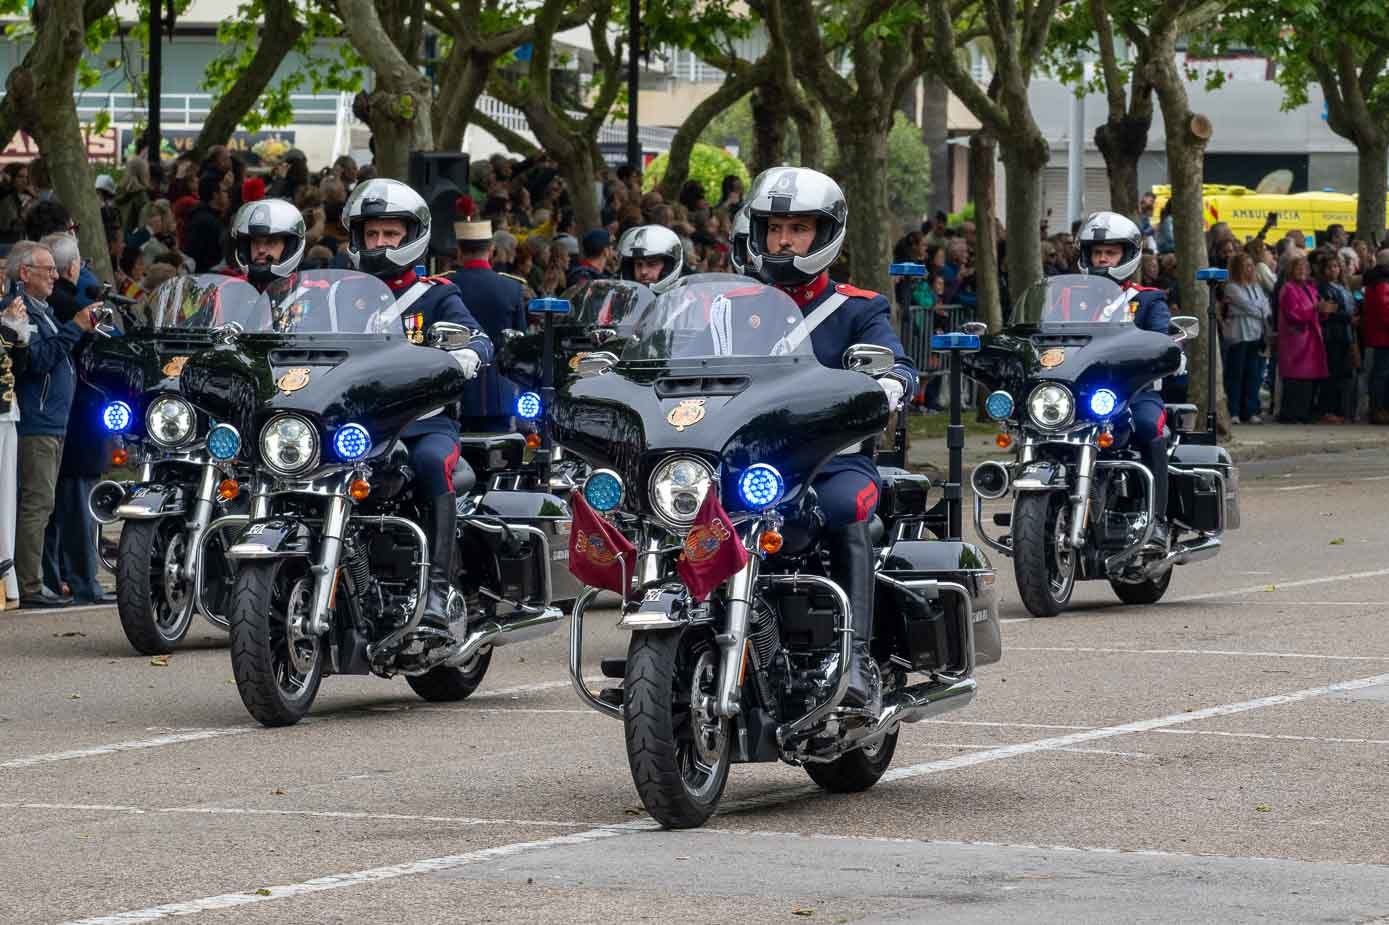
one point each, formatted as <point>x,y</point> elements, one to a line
<point>1301,352</point>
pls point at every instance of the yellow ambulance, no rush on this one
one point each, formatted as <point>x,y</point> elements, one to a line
<point>1244,210</point>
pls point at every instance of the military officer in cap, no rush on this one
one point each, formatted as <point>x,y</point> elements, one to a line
<point>497,301</point>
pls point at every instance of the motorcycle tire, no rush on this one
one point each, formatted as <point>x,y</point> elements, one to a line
<point>275,692</point>
<point>856,771</point>
<point>152,624</point>
<point>678,789</point>
<point>1142,592</point>
<point>1044,583</point>
<point>450,685</point>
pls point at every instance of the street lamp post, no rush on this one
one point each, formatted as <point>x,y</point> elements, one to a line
<point>156,66</point>
<point>633,81</point>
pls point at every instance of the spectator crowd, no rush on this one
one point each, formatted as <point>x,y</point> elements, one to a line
<point>1304,325</point>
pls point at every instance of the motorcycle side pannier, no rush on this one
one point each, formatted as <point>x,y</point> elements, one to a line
<point>1198,498</point>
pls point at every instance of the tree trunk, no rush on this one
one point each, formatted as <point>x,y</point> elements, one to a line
<point>982,182</point>
<point>399,108</point>
<point>580,177</point>
<point>281,30</point>
<point>42,97</point>
<point>868,239</point>
<point>733,88</point>
<point>1023,170</point>
<point>768,128</point>
<point>457,99</point>
<point>1185,169</point>
<point>1122,142</point>
<point>935,134</point>
<point>1373,169</point>
<point>807,119</point>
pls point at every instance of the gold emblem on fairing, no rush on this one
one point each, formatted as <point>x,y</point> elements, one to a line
<point>294,380</point>
<point>574,360</point>
<point>175,366</point>
<point>1053,357</point>
<point>9,395</point>
<point>686,414</point>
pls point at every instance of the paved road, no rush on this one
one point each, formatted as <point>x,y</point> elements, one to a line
<point>1219,757</point>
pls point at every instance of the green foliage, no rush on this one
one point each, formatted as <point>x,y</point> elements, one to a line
<point>705,27</point>
<point>956,219</point>
<point>908,172</point>
<point>708,164</point>
<point>736,122</point>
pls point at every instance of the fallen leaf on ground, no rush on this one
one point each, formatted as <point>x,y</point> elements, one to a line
<point>804,912</point>
<point>159,661</point>
<point>262,892</point>
<point>1271,588</point>
<point>1339,541</point>
<point>68,634</point>
<point>74,696</point>
<point>278,792</point>
<point>1263,808</point>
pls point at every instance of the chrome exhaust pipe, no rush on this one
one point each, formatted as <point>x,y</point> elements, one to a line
<point>494,633</point>
<point>916,703</point>
<point>990,480</point>
<point>1204,548</point>
<point>103,500</point>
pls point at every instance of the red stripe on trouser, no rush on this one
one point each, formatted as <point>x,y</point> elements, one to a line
<point>450,461</point>
<point>865,500</point>
<point>1161,422</point>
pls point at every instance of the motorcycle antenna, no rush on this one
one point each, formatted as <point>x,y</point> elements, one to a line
<point>547,308</point>
<point>955,343</point>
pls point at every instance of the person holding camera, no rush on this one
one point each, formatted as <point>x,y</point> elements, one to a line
<point>45,391</point>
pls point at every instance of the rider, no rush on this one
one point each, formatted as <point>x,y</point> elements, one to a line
<point>738,249</point>
<point>388,232</point>
<point>1112,245</point>
<point>797,222</point>
<point>651,255</point>
<point>268,239</point>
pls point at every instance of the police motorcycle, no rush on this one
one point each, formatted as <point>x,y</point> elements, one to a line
<point>719,394</point>
<point>1082,501</point>
<point>181,486</point>
<point>331,566</point>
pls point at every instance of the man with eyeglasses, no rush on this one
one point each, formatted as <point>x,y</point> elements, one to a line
<point>45,393</point>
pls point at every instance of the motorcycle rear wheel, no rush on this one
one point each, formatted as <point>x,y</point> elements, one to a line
<point>277,687</point>
<point>450,685</point>
<point>670,678</point>
<point>153,622</point>
<point>856,771</point>
<point>1046,573</point>
<point>1149,591</point>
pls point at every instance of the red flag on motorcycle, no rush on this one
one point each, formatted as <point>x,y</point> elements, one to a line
<point>599,555</point>
<point>712,550</point>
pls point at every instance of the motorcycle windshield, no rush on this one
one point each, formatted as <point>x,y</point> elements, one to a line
<point>332,302</point>
<point>1058,301</point>
<point>191,303</point>
<point>719,315</point>
<point>608,303</point>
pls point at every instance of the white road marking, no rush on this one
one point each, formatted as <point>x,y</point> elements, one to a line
<point>1076,751</point>
<point>79,608</point>
<point>975,722</point>
<point>1301,487</point>
<point>316,814</point>
<point>1327,740</point>
<point>1281,586</point>
<point>156,742</point>
<point>1146,725</point>
<point>355,878</point>
<point>1223,652</point>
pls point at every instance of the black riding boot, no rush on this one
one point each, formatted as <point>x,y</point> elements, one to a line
<point>439,526</point>
<point>851,567</point>
<point>1155,458</point>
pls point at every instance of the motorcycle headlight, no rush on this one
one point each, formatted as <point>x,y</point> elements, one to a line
<point>678,487</point>
<point>170,421</point>
<point>289,444</point>
<point>1051,406</point>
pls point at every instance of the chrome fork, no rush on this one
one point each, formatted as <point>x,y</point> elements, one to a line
<point>733,640</point>
<point>334,522</point>
<point>199,519</point>
<point>1080,501</point>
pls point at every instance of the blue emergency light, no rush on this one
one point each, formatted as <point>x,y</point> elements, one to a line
<point>549,306</point>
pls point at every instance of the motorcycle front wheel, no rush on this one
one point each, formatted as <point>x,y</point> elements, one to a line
<point>677,749</point>
<point>277,669</point>
<point>1045,569</point>
<point>154,602</point>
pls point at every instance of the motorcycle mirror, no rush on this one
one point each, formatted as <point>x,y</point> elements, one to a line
<point>595,364</point>
<point>449,335</point>
<point>869,358</point>
<point>1187,327</point>
<point>975,328</point>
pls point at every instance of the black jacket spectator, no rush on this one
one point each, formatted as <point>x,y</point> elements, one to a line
<point>206,225</point>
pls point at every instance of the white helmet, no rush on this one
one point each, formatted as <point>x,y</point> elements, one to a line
<point>795,191</point>
<point>738,246</point>
<point>267,218</point>
<point>1111,228</point>
<point>382,198</point>
<point>651,241</point>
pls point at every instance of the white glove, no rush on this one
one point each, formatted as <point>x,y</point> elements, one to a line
<point>468,361</point>
<point>894,390</point>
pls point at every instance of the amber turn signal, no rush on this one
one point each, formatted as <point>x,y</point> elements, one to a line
<point>228,489</point>
<point>1003,441</point>
<point>1105,440</point>
<point>119,457</point>
<point>359,489</point>
<point>770,543</point>
<point>533,441</point>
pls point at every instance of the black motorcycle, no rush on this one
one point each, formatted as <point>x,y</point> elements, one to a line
<point>718,391</point>
<point>181,486</point>
<point>331,563</point>
<point>1062,376</point>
